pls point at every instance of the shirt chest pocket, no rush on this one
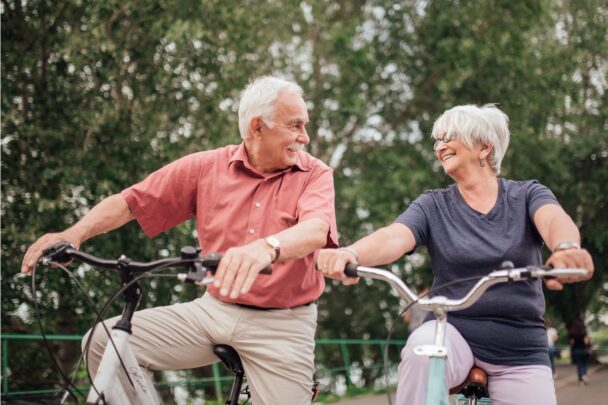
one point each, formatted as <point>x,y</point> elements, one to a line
<point>281,220</point>
<point>281,217</point>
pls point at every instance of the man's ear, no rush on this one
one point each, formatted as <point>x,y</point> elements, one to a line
<point>255,126</point>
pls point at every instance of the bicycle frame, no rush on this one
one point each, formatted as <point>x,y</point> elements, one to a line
<point>107,386</point>
<point>118,358</point>
<point>440,306</point>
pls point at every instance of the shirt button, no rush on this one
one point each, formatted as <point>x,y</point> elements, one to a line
<point>258,205</point>
<point>252,231</point>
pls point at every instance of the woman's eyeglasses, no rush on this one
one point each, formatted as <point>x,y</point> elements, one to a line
<point>446,138</point>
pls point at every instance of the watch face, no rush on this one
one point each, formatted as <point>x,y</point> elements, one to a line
<point>272,241</point>
<point>276,245</point>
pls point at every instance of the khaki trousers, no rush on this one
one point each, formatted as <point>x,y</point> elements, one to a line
<point>275,346</point>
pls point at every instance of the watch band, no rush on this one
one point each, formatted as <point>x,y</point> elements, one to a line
<point>566,246</point>
<point>275,244</point>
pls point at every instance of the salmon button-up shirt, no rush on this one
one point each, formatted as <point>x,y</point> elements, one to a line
<point>234,205</point>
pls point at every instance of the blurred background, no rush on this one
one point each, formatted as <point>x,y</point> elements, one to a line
<point>97,94</point>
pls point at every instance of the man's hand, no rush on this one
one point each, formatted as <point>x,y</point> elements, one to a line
<point>44,242</point>
<point>573,258</point>
<point>332,262</point>
<point>240,266</point>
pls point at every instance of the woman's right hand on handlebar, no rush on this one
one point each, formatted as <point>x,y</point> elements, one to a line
<point>332,262</point>
<point>574,258</point>
<point>44,242</point>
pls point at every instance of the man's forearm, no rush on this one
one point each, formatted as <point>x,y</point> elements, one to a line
<point>111,213</point>
<point>302,239</point>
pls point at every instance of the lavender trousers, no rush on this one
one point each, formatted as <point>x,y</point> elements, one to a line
<point>508,385</point>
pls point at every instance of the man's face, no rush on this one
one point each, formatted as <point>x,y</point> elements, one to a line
<point>288,134</point>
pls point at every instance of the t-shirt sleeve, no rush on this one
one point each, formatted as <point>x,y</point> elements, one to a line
<point>167,197</point>
<point>318,201</point>
<point>537,196</point>
<point>415,218</point>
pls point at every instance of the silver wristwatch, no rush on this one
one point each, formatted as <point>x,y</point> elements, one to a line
<point>275,244</point>
<point>566,246</point>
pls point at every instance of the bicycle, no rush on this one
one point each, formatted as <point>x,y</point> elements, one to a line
<point>440,306</point>
<point>118,355</point>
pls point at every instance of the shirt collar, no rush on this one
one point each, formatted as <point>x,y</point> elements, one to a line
<point>240,155</point>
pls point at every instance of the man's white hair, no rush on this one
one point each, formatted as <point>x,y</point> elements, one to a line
<point>474,125</point>
<point>259,98</point>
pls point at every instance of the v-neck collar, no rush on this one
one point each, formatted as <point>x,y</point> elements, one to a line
<point>492,211</point>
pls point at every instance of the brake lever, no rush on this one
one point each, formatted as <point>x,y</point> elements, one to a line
<point>57,253</point>
<point>198,277</point>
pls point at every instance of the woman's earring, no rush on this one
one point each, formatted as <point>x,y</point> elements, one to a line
<point>482,163</point>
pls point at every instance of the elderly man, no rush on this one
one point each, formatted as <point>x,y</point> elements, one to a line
<point>262,202</point>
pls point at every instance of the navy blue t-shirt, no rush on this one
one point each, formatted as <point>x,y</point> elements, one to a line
<point>506,325</point>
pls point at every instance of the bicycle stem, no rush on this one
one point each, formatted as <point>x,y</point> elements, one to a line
<point>132,296</point>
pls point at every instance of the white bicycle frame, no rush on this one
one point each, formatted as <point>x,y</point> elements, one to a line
<point>118,359</point>
<point>437,352</point>
<point>107,387</point>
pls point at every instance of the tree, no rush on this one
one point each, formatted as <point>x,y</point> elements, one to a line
<point>98,94</point>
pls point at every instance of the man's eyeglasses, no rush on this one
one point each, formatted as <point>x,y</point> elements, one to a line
<point>446,138</point>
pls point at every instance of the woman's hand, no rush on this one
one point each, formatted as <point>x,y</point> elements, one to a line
<point>573,258</point>
<point>332,262</point>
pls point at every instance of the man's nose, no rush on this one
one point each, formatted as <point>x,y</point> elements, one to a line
<point>303,137</point>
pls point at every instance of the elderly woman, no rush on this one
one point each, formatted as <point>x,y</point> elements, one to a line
<point>470,228</point>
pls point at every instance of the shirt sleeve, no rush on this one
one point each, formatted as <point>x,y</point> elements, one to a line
<point>415,218</point>
<point>538,195</point>
<point>318,201</point>
<point>166,197</point>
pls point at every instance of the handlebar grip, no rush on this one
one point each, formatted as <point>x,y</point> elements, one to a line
<point>267,270</point>
<point>58,253</point>
<point>351,270</point>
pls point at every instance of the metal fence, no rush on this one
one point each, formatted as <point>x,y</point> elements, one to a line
<point>341,348</point>
<point>347,356</point>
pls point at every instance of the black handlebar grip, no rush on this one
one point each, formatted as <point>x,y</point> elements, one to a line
<point>58,253</point>
<point>267,270</point>
<point>351,270</point>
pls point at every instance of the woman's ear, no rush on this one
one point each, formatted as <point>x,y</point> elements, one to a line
<point>485,151</point>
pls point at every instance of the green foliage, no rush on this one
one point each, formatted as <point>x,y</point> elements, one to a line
<point>98,94</point>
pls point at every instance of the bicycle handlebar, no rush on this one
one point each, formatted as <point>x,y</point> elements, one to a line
<point>506,274</point>
<point>190,258</point>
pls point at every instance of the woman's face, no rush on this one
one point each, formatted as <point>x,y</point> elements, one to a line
<point>456,157</point>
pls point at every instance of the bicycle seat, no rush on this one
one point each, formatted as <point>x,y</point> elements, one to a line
<point>230,358</point>
<point>475,385</point>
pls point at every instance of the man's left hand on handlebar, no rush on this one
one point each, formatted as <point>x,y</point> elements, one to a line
<point>240,266</point>
<point>44,242</point>
<point>574,258</point>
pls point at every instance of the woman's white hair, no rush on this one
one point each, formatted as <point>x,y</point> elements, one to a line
<point>259,98</point>
<point>474,125</point>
